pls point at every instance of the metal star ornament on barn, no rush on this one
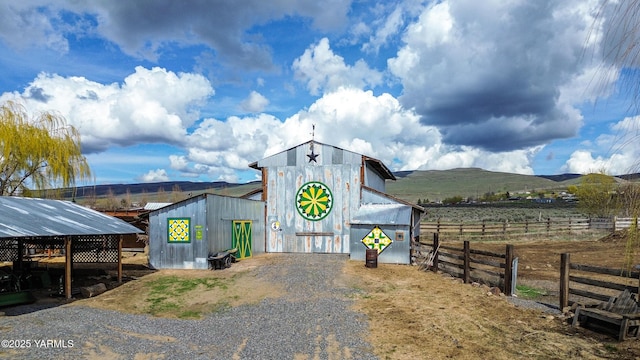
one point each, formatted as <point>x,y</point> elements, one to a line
<point>313,156</point>
<point>377,239</point>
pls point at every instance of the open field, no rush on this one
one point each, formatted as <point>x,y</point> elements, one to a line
<point>512,212</point>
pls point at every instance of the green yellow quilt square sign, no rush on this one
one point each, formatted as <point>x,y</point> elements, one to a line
<point>377,239</point>
<point>178,230</point>
<point>314,201</point>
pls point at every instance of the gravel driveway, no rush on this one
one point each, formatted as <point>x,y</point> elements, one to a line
<point>312,320</point>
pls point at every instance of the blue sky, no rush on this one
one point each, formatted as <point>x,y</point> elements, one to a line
<point>177,90</point>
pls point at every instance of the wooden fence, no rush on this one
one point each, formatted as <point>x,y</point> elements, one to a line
<point>549,226</point>
<point>468,264</point>
<point>589,284</point>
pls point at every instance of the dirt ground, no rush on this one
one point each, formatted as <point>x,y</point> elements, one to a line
<point>415,314</point>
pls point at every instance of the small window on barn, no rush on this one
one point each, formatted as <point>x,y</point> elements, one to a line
<point>399,235</point>
<point>337,157</point>
<point>291,157</point>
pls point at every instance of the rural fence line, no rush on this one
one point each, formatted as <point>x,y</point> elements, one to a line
<point>589,283</point>
<point>506,228</point>
<point>468,264</point>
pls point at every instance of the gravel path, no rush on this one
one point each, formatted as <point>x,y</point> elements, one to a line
<point>312,321</point>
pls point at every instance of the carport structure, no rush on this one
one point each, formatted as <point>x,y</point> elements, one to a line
<point>85,235</point>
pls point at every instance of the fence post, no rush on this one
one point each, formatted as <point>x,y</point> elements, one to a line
<point>467,262</point>
<point>614,223</point>
<point>483,227</point>
<point>526,226</point>
<point>548,225</point>
<point>436,245</point>
<point>564,280</point>
<point>460,227</point>
<point>438,227</point>
<point>508,270</point>
<point>504,227</point>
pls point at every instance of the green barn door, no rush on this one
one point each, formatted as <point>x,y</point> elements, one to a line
<point>242,238</point>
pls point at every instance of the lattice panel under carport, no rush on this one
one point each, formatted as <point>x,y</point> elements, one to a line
<point>95,249</point>
<point>8,249</point>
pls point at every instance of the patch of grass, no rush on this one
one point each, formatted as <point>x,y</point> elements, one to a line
<point>189,314</point>
<point>528,292</point>
<point>611,348</point>
<point>165,294</point>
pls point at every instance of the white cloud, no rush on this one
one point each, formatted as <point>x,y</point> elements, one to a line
<point>152,105</point>
<point>349,118</point>
<point>158,175</point>
<point>255,103</point>
<point>324,71</point>
<point>615,153</point>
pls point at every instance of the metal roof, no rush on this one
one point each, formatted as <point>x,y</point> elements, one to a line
<point>383,214</point>
<point>32,217</point>
<point>156,205</point>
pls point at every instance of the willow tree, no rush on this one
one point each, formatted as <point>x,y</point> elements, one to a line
<point>38,153</point>
<point>597,195</point>
<point>620,31</point>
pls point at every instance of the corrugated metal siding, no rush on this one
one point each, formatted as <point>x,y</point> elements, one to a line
<point>165,255</point>
<point>369,197</point>
<point>391,218</point>
<point>32,217</point>
<point>373,180</point>
<point>397,253</point>
<point>374,214</point>
<point>222,211</point>
<point>214,215</point>
<point>329,235</point>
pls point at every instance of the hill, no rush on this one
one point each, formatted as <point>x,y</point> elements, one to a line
<point>434,185</point>
<point>411,186</point>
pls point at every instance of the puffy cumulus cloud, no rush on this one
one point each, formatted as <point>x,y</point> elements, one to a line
<point>220,148</point>
<point>144,28</point>
<point>158,175</point>
<point>323,70</point>
<point>152,105</point>
<point>353,119</point>
<point>496,75</point>
<point>615,153</point>
<point>255,103</point>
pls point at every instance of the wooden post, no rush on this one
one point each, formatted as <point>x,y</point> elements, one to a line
<point>467,267</point>
<point>67,267</point>
<point>436,245</point>
<point>508,271</point>
<point>504,227</point>
<point>548,225</point>
<point>438,227</point>
<point>483,227</point>
<point>564,280</point>
<point>120,260</point>
<point>461,227</point>
<point>526,226</point>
